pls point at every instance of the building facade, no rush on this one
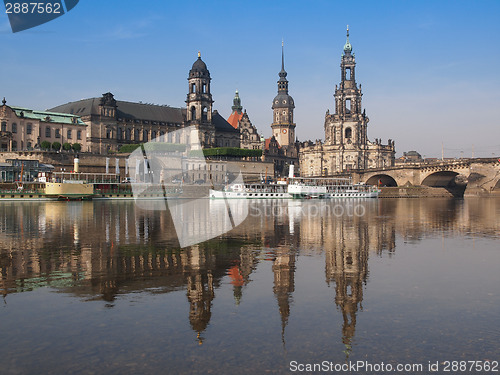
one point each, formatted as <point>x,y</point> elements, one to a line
<point>346,146</point>
<point>24,129</point>
<point>249,136</point>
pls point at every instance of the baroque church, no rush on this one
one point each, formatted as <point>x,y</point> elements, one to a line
<point>346,146</point>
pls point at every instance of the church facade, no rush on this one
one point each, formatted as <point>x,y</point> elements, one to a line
<point>346,146</point>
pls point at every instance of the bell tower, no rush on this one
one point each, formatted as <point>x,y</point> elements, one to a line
<point>283,126</point>
<point>199,102</point>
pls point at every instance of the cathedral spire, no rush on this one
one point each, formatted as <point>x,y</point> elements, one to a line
<point>282,82</point>
<point>282,56</point>
<point>347,46</point>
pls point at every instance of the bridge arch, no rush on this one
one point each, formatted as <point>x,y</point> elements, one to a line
<point>381,180</point>
<point>440,179</point>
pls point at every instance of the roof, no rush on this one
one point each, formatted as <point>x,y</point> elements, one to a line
<point>234,119</point>
<point>221,124</point>
<point>125,110</point>
<point>268,142</point>
<point>48,116</point>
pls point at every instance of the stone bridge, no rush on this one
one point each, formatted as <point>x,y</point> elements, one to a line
<point>477,176</point>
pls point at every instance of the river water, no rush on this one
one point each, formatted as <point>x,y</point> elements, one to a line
<point>104,288</point>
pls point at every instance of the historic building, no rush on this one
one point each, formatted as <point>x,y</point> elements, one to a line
<point>24,129</point>
<point>249,137</point>
<point>346,144</point>
<point>112,123</point>
<point>282,147</point>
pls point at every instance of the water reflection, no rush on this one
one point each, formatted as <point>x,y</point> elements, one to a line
<point>100,250</point>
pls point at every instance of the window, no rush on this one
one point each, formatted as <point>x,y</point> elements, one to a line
<point>348,133</point>
<point>4,126</point>
<point>29,145</point>
<point>145,135</point>
<point>69,134</point>
<point>108,133</point>
<point>58,133</point>
<point>29,128</point>
<point>348,105</point>
<point>204,114</point>
<point>14,127</point>
<point>193,88</point>
<point>348,74</point>
<point>14,145</point>
<point>119,133</point>
<point>193,113</point>
<point>47,132</point>
<point>204,88</point>
<point>136,134</point>
<point>79,135</point>
<point>128,134</point>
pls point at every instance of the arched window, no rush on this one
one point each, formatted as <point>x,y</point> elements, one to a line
<point>128,134</point>
<point>4,126</point>
<point>193,113</point>
<point>348,133</point>
<point>193,88</point>
<point>204,114</point>
<point>145,135</point>
<point>14,127</point>
<point>153,135</point>
<point>136,135</point>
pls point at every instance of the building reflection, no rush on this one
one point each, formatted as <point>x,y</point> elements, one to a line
<point>100,250</point>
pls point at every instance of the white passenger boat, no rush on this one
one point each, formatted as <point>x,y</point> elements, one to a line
<point>252,191</point>
<point>320,187</point>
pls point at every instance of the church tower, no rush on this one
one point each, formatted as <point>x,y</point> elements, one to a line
<point>199,102</point>
<point>283,126</point>
<point>348,125</point>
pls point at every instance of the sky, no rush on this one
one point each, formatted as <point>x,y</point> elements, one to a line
<point>429,70</point>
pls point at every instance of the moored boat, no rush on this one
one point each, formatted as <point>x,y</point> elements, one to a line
<point>252,191</point>
<point>325,188</point>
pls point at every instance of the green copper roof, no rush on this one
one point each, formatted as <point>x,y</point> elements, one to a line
<point>55,117</point>
<point>347,45</point>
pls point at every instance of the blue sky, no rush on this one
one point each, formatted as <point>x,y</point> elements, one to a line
<point>429,70</point>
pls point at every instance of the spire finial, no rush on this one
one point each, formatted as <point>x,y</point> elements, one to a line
<point>4,101</point>
<point>199,54</point>
<point>282,55</point>
<point>347,46</point>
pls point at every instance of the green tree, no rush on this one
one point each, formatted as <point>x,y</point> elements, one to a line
<point>66,146</point>
<point>76,147</point>
<point>45,145</point>
<point>56,146</point>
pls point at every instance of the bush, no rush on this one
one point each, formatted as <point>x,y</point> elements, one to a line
<point>45,145</point>
<point>56,146</point>
<point>76,147</point>
<point>232,151</point>
<point>66,146</point>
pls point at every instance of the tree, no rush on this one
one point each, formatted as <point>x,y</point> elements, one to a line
<point>76,147</point>
<point>45,145</point>
<point>66,146</point>
<point>56,146</point>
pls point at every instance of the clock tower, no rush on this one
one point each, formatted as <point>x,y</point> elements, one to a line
<point>283,126</point>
